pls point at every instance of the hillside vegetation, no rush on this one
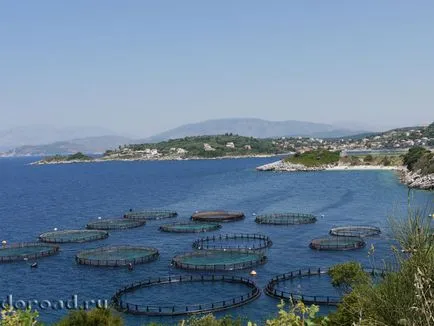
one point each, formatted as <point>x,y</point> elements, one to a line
<point>420,159</point>
<point>219,146</point>
<point>314,158</point>
<point>73,157</point>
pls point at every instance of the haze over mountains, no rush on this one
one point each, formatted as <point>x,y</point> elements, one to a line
<point>46,140</point>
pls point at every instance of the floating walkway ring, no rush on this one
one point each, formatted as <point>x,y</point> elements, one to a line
<point>117,256</point>
<point>285,219</point>
<point>190,227</point>
<point>211,242</point>
<point>355,231</point>
<point>272,291</point>
<point>217,216</point>
<point>67,236</point>
<point>148,215</point>
<point>115,224</point>
<point>219,260</point>
<point>337,243</point>
<point>121,305</point>
<point>23,251</point>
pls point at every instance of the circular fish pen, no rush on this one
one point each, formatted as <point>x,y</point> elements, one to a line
<point>355,231</point>
<point>115,224</point>
<point>274,291</point>
<point>122,304</point>
<point>285,219</point>
<point>67,236</point>
<point>117,256</point>
<point>234,241</point>
<point>190,227</point>
<point>148,215</point>
<point>217,216</point>
<point>337,243</point>
<point>24,251</point>
<point>219,260</point>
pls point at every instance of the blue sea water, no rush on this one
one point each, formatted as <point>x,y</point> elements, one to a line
<point>36,199</point>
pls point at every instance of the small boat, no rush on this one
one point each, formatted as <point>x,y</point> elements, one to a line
<point>34,265</point>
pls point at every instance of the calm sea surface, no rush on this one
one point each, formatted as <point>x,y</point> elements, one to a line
<point>35,199</point>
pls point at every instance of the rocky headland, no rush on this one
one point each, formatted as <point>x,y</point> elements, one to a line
<point>417,180</point>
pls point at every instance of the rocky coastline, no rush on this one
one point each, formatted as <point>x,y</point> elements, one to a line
<point>416,180</point>
<point>411,179</point>
<point>148,158</point>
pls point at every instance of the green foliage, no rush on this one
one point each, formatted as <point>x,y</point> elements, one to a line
<point>298,315</point>
<point>211,320</point>
<point>95,317</point>
<point>348,275</point>
<point>78,156</point>
<point>413,156</point>
<point>386,161</point>
<point>368,158</point>
<point>195,146</point>
<point>425,164</point>
<point>73,157</point>
<point>405,295</point>
<point>314,158</point>
<point>11,317</point>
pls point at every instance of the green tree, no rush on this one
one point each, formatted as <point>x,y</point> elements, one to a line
<point>348,275</point>
<point>12,317</point>
<point>95,317</point>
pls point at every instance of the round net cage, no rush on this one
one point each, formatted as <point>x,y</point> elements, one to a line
<point>314,280</point>
<point>190,227</point>
<point>147,215</point>
<point>117,256</point>
<point>220,260</point>
<point>66,236</point>
<point>135,298</point>
<point>25,251</point>
<point>355,231</point>
<point>217,216</point>
<point>276,287</point>
<point>234,241</point>
<point>285,219</point>
<point>115,224</point>
<point>337,243</point>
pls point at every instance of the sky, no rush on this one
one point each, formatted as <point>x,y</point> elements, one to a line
<point>141,67</point>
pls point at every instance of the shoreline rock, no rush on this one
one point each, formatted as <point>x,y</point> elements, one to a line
<point>288,167</point>
<point>411,179</point>
<point>148,158</point>
<point>416,180</point>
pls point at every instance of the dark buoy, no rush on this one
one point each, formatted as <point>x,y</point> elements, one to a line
<point>130,267</point>
<point>131,209</point>
<point>34,265</point>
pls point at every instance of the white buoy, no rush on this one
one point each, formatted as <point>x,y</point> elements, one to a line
<point>253,273</point>
<point>99,217</point>
<point>55,229</point>
<point>322,215</point>
<point>4,242</point>
<point>254,214</point>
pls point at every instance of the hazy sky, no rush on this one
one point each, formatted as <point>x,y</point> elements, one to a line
<point>146,66</point>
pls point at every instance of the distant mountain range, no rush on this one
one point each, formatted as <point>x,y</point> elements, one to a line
<point>46,140</point>
<point>89,145</point>
<point>46,134</point>
<point>257,128</point>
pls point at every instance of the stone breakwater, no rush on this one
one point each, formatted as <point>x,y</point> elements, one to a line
<point>415,180</point>
<point>289,167</point>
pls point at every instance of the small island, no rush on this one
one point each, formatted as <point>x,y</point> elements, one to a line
<point>197,147</point>
<point>73,158</point>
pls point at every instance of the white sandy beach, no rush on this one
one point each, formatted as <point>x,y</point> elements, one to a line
<point>362,167</point>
